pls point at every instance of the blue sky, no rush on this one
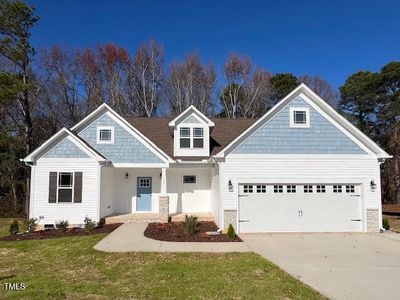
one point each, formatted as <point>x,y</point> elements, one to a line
<point>332,39</point>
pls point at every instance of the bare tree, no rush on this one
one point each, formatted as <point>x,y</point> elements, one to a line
<point>114,63</point>
<point>190,83</point>
<point>59,79</point>
<point>145,79</point>
<point>248,92</point>
<point>322,88</point>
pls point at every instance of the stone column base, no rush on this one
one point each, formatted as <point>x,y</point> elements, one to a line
<point>163,209</point>
<point>230,218</point>
<point>373,220</point>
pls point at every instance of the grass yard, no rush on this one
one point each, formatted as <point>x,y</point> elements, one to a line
<point>69,268</point>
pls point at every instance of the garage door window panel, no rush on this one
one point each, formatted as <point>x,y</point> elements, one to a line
<point>247,189</point>
<point>337,188</point>
<point>350,189</point>
<point>308,189</point>
<point>291,189</point>
<point>278,189</point>
<point>261,189</point>
<point>321,189</point>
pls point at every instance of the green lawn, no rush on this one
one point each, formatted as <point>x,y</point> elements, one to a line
<point>69,268</point>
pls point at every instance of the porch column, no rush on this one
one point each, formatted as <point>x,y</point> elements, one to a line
<point>163,206</point>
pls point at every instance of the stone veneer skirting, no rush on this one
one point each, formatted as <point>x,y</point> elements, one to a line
<point>373,220</point>
<point>230,217</point>
<point>163,209</point>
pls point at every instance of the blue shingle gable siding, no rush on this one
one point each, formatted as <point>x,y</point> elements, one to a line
<point>126,148</point>
<point>66,149</point>
<point>191,119</point>
<point>277,137</point>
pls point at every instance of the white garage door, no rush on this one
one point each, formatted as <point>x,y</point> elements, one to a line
<point>299,208</point>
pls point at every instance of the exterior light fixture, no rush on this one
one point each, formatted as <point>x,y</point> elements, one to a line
<point>230,185</point>
<point>126,175</point>
<point>372,185</point>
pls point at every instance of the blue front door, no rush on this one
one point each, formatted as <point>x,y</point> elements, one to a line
<point>143,200</point>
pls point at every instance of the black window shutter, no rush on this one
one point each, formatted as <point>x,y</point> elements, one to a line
<point>53,187</point>
<point>78,187</point>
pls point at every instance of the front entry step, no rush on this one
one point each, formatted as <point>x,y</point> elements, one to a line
<point>132,218</point>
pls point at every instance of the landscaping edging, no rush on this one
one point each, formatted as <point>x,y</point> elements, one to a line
<point>57,233</point>
<point>174,232</point>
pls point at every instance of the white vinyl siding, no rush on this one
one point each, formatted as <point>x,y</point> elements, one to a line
<point>215,192</point>
<point>107,191</point>
<point>75,213</point>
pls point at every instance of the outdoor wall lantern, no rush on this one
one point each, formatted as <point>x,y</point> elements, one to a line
<point>230,185</point>
<point>373,185</point>
<point>126,175</point>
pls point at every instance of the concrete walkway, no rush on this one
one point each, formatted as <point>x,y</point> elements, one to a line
<point>340,266</point>
<point>129,238</point>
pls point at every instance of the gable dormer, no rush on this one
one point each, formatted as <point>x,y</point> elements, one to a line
<point>191,131</point>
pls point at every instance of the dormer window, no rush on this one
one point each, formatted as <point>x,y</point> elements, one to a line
<point>105,135</point>
<point>198,137</point>
<point>191,137</point>
<point>299,117</point>
<point>185,137</point>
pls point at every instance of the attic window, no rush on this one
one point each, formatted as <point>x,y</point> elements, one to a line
<point>105,135</point>
<point>299,117</point>
<point>198,137</point>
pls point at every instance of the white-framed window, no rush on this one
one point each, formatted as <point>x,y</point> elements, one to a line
<point>247,188</point>
<point>189,179</point>
<point>321,189</point>
<point>299,117</point>
<point>308,189</point>
<point>65,187</point>
<point>198,137</point>
<point>261,188</point>
<point>191,137</point>
<point>291,189</point>
<point>105,135</point>
<point>350,189</point>
<point>184,137</point>
<point>278,188</point>
<point>337,188</point>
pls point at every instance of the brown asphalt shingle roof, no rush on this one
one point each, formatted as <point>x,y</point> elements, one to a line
<point>157,130</point>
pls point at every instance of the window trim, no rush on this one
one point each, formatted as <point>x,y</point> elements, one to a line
<point>192,136</point>
<point>65,187</point>
<point>296,125</point>
<point>99,141</point>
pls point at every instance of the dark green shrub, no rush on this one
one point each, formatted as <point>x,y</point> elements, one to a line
<point>14,227</point>
<point>62,224</point>
<point>89,224</point>
<point>385,224</point>
<point>31,224</point>
<point>231,232</point>
<point>190,224</point>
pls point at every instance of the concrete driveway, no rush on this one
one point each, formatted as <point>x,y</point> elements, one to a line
<point>340,266</point>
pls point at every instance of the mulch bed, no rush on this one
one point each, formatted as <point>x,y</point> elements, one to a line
<point>56,233</point>
<point>174,232</point>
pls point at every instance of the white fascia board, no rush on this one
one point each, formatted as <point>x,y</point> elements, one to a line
<point>195,110</point>
<point>140,166</point>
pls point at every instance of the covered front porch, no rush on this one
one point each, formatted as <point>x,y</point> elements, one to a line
<point>154,194</point>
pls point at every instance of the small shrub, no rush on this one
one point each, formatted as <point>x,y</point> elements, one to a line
<point>31,224</point>
<point>14,227</point>
<point>385,224</point>
<point>190,224</point>
<point>231,232</point>
<point>62,224</point>
<point>89,224</point>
